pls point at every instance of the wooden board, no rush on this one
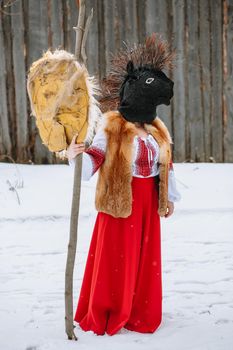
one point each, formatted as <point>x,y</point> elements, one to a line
<point>205,64</point>
<point>195,114</point>
<point>179,74</point>
<point>228,83</point>
<point>37,42</point>
<point>5,140</point>
<point>19,81</point>
<point>217,76</point>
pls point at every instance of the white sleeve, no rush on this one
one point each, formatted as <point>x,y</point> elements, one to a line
<point>99,141</point>
<point>94,156</point>
<point>173,194</point>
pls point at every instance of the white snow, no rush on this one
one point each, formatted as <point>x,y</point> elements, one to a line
<point>197,261</point>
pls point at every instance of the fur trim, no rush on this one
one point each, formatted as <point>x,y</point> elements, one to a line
<point>161,134</point>
<point>94,113</point>
<point>113,190</point>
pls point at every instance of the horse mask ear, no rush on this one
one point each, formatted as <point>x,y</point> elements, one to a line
<point>130,67</point>
<point>130,70</point>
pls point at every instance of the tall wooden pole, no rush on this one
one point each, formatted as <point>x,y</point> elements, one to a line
<point>81,34</point>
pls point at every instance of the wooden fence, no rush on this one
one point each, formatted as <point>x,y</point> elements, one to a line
<point>200,118</point>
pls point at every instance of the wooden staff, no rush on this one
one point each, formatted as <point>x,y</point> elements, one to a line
<point>81,35</point>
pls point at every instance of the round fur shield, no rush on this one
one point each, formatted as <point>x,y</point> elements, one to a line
<point>62,100</point>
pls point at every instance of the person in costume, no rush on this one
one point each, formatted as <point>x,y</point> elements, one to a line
<point>122,283</point>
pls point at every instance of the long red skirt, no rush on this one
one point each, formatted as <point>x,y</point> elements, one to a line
<point>122,284</point>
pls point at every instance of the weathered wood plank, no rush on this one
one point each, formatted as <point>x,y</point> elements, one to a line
<point>179,114</point>
<point>141,20</point>
<point>5,140</point>
<point>205,74</point>
<point>20,81</point>
<point>56,24</point>
<point>228,82</point>
<point>101,37</point>
<point>109,32</point>
<point>70,16</point>
<point>195,114</point>
<point>92,44</point>
<point>6,22</point>
<point>217,76</point>
<point>152,16</point>
<point>129,9</point>
<point>119,23</point>
<point>118,29</point>
<point>37,42</point>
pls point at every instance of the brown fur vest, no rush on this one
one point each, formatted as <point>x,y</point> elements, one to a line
<point>113,191</point>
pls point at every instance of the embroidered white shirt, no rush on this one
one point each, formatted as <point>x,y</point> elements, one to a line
<point>144,164</point>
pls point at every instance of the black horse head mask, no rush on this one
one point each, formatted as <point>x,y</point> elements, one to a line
<point>144,89</point>
<point>136,84</point>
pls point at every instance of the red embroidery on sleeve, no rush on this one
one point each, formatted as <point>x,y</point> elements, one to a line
<point>97,157</point>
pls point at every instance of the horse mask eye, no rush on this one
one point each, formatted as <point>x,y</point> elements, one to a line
<point>143,89</point>
<point>149,80</point>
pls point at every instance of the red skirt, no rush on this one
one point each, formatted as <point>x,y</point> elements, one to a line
<point>122,283</point>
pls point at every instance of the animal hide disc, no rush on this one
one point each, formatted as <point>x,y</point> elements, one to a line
<point>62,100</point>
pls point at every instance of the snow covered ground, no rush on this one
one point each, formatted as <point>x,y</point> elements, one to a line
<point>197,251</point>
